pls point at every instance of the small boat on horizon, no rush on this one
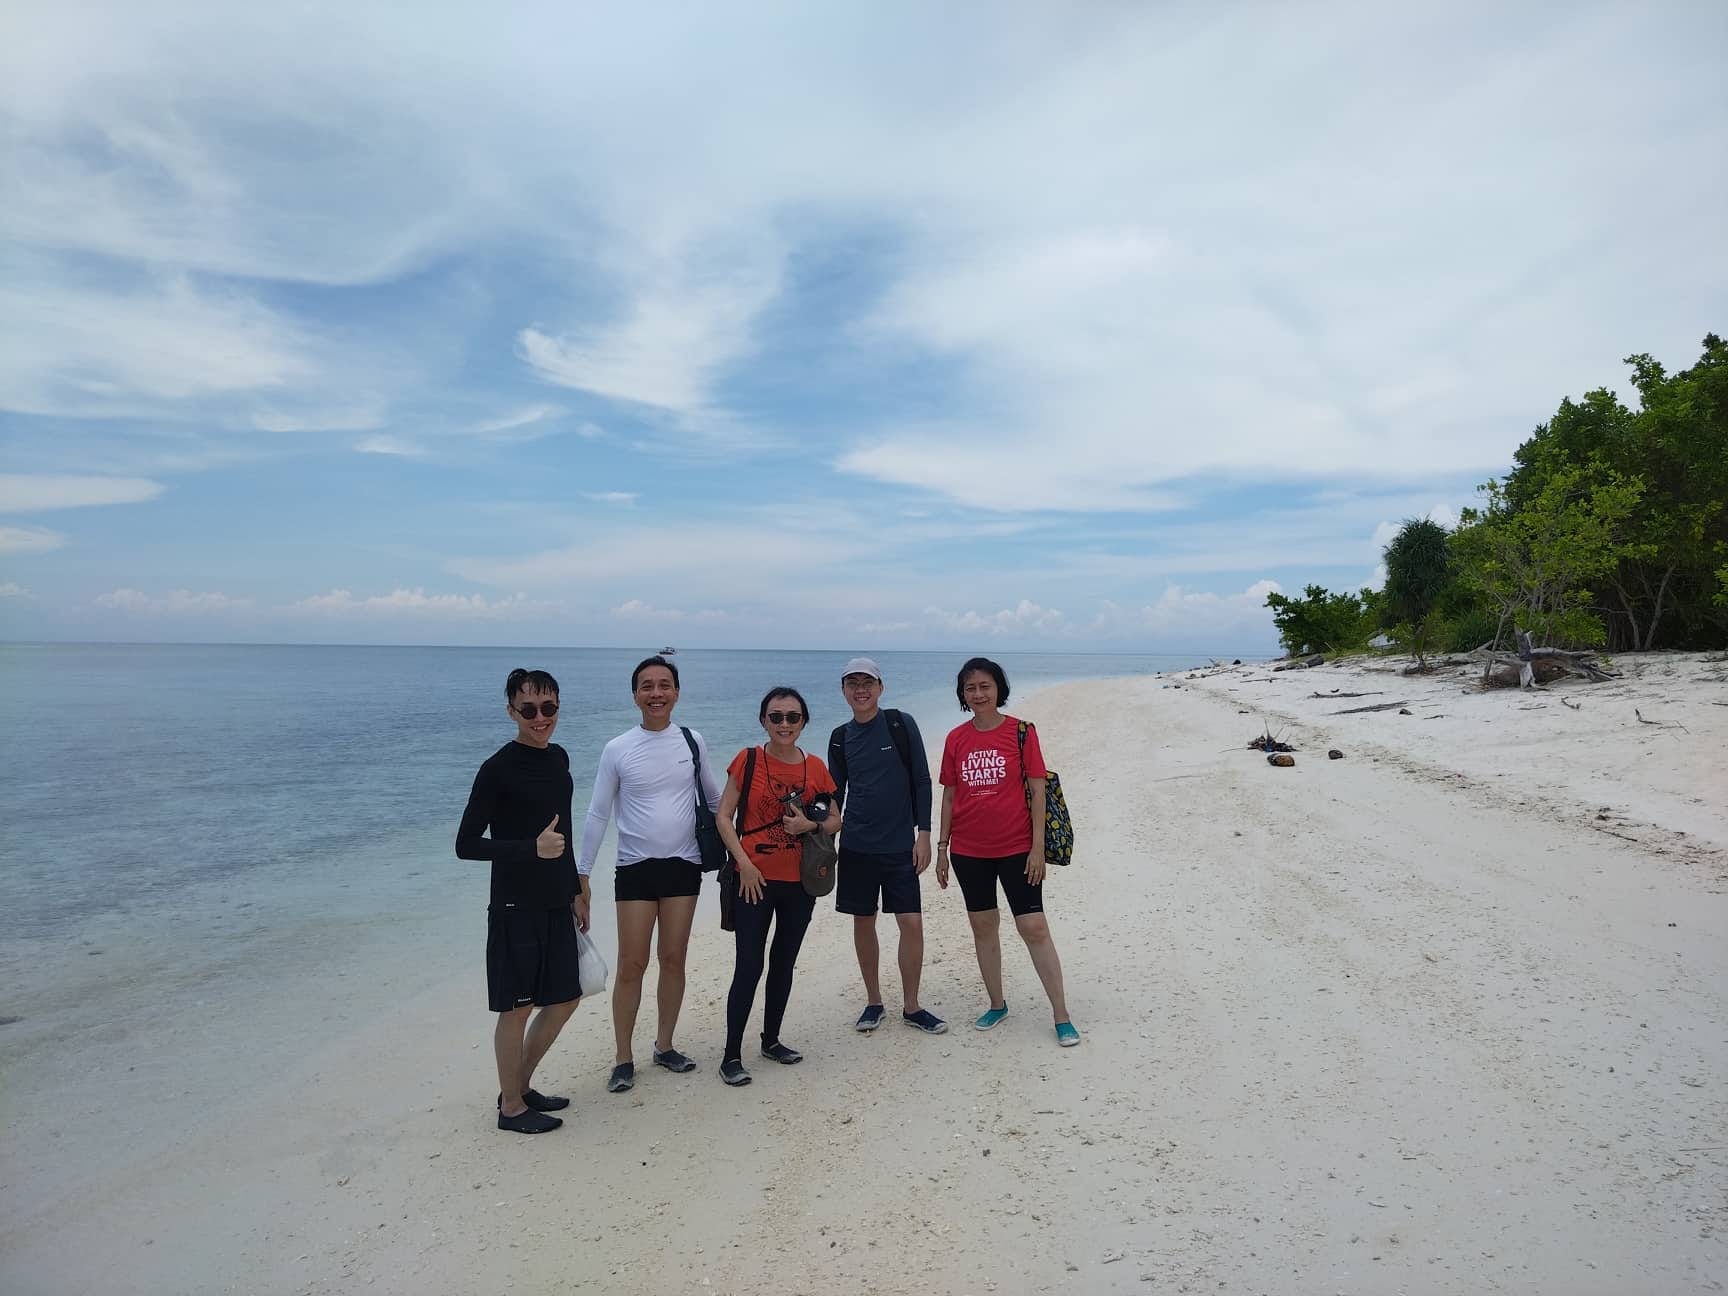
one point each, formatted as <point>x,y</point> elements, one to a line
<point>668,652</point>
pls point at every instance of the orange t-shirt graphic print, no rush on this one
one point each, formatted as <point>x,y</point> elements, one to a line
<point>772,849</point>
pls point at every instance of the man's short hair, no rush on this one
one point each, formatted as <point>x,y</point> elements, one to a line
<point>645,663</point>
<point>538,680</point>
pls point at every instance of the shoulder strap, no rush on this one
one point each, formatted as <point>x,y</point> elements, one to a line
<point>744,800</point>
<point>695,767</point>
<point>744,792</point>
<point>902,741</point>
<point>837,754</point>
<point>896,731</point>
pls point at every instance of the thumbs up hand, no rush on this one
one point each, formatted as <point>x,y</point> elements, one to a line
<point>550,843</point>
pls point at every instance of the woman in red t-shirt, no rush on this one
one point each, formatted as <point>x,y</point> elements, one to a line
<point>764,844</point>
<point>987,774</point>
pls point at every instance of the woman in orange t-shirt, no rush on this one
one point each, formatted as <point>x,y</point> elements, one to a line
<point>764,842</point>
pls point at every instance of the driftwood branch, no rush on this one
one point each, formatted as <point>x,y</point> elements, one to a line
<point>1336,694</point>
<point>1379,706</point>
<point>1660,724</point>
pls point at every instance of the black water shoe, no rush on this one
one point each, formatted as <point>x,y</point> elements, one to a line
<point>534,1100</point>
<point>529,1122</point>
<point>673,1060</point>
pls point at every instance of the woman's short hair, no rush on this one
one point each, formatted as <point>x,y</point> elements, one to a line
<point>991,669</point>
<point>781,690</point>
<point>645,663</point>
<point>519,679</point>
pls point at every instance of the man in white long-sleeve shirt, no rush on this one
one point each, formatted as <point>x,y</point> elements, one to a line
<point>648,779</point>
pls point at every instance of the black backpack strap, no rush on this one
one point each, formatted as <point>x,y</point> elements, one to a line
<point>902,740</point>
<point>744,800</point>
<point>696,767</point>
<point>744,792</point>
<point>837,755</point>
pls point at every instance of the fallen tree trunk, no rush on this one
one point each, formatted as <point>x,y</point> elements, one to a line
<point>1535,666</point>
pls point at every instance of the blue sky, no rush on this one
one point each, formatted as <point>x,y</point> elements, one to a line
<point>888,326</point>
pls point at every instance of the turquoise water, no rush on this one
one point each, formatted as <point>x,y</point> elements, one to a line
<point>171,811</point>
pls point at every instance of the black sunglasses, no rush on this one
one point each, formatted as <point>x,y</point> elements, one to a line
<point>527,709</point>
<point>785,717</point>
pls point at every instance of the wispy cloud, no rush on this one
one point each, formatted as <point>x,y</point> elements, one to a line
<point>82,349</point>
<point>611,497</point>
<point>11,589</point>
<point>390,445</point>
<point>418,603</point>
<point>688,316</point>
<point>359,416</point>
<point>29,540</point>
<point>527,417</point>
<point>637,610</point>
<point>696,555</point>
<point>27,493</point>
<point>174,602</point>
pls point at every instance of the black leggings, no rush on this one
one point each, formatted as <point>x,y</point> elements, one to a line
<point>790,906</point>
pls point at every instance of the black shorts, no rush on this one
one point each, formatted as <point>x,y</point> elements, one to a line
<point>531,957</point>
<point>978,879</point>
<point>862,878</point>
<point>656,879</point>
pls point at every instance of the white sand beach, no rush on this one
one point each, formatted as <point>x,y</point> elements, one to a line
<point>1448,1015</point>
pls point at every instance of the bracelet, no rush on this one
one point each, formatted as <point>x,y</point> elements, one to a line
<point>941,845</point>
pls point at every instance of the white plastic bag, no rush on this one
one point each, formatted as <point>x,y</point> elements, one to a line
<point>590,964</point>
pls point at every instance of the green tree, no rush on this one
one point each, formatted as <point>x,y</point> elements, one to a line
<point>1676,445</point>
<point>1321,621</point>
<point>1682,449</point>
<point>1536,561</point>
<point>1418,570</point>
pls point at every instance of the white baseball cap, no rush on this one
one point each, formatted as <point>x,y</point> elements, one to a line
<point>862,666</point>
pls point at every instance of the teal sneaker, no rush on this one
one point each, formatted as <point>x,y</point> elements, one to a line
<point>1066,1035</point>
<point>991,1019</point>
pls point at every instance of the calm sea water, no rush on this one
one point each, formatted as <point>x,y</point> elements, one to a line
<point>171,811</point>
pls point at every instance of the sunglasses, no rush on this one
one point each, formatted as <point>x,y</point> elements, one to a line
<point>785,717</point>
<point>527,710</point>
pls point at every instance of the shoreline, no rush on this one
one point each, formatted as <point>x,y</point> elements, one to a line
<point>1358,1026</point>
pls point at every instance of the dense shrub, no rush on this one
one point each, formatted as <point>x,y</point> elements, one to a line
<point>1324,622</point>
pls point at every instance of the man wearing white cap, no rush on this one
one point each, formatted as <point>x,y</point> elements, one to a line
<point>883,779</point>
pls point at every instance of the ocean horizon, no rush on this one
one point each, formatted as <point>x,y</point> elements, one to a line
<point>199,824</point>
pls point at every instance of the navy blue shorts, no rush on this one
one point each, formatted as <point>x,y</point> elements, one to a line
<point>865,878</point>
